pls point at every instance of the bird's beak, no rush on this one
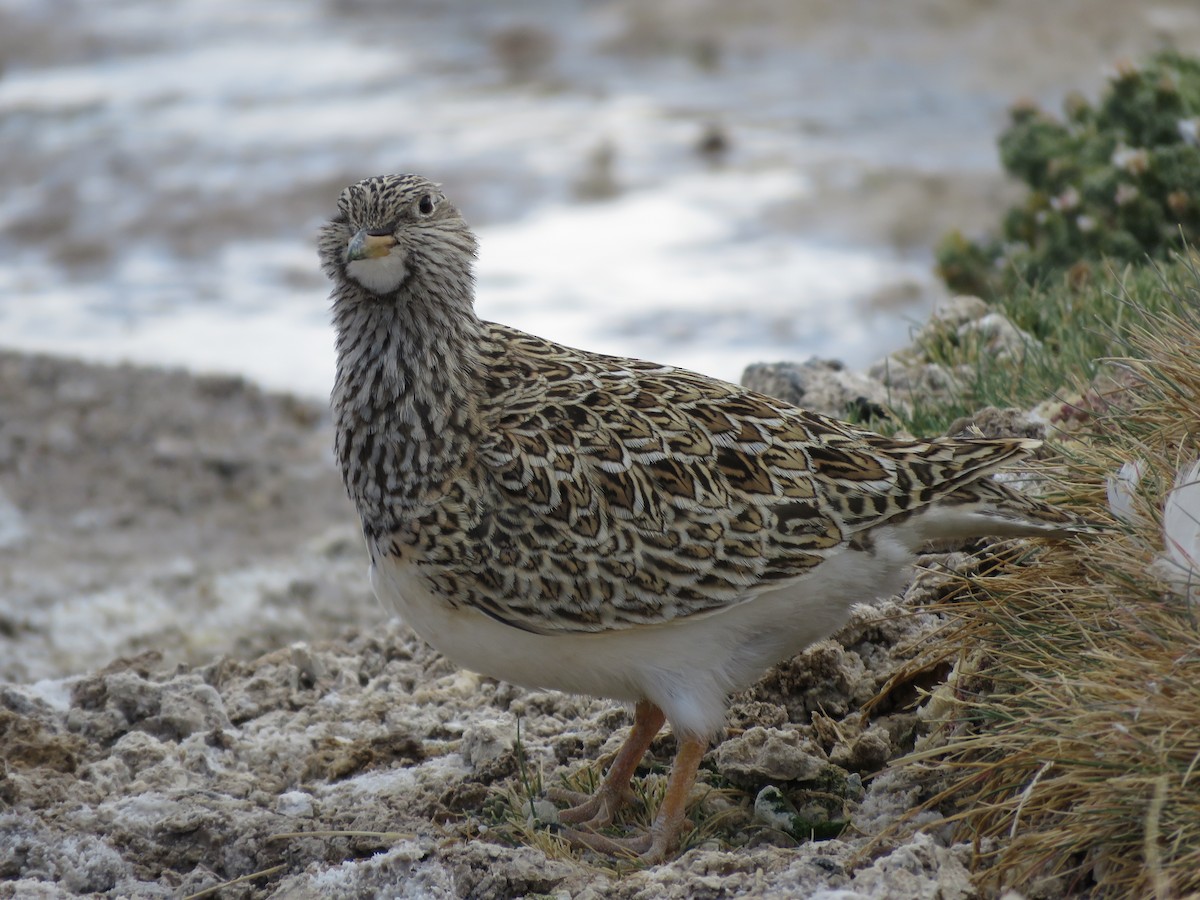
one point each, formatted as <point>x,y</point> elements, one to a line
<point>369,245</point>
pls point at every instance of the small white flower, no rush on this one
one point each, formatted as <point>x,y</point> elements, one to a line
<point>1085,223</point>
<point>1134,160</point>
<point>1122,489</point>
<point>1067,200</point>
<point>1125,193</point>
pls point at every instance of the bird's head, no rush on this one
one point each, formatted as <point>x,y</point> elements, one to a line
<point>392,230</point>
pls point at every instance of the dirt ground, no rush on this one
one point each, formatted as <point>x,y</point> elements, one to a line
<point>146,509</point>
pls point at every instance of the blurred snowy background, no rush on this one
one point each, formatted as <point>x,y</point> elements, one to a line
<point>693,181</point>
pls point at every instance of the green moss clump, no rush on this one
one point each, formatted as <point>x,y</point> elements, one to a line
<point>1116,182</point>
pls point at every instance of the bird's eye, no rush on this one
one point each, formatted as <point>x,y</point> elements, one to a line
<point>425,205</point>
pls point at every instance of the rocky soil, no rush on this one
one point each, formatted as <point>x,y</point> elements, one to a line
<point>198,689</point>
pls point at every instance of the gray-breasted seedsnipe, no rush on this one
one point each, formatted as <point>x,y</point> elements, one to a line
<point>605,526</point>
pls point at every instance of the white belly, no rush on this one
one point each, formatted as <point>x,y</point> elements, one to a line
<point>687,667</point>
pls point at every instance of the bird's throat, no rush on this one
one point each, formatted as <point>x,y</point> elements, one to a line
<point>404,402</point>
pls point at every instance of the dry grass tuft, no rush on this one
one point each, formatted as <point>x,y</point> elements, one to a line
<point>518,820</point>
<point>1072,739</point>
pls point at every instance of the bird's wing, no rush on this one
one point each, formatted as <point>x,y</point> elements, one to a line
<point>617,493</point>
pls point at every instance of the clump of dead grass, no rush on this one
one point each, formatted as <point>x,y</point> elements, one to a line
<point>1071,738</point>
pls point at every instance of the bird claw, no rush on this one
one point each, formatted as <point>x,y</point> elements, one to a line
<point>578,800</point>
<point>591,810</point>
<point>648,848</point>
<point>637,847</point>
<point>662,838</point>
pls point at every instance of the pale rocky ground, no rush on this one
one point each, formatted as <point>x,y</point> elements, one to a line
<point>193,670</point>
<point>184,542</point>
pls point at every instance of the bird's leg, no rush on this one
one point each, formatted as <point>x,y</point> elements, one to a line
<point>597,811</point>
<point>663,836</point>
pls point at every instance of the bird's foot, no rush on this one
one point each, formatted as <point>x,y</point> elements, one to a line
<point>614,793</point>
<point>652,846</point>
<point>662,838</point>
<point>592,810</point>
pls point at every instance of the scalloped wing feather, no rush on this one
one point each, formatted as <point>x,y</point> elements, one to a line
<point>611,493</point>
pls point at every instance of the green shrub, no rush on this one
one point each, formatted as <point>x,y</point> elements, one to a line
<point>1116,183</point>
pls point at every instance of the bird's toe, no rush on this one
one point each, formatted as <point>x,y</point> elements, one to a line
<point>648,848</point>
<point>590,811</point>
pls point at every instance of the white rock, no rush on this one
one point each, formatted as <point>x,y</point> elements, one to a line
<point>297,804</point>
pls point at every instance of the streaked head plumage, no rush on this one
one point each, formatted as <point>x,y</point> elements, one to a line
<point>388,228</point>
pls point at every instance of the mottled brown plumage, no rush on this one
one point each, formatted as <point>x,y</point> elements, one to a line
<point>603,525</point>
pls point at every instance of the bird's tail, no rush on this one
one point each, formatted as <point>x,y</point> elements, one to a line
<point>991,508</point>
